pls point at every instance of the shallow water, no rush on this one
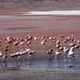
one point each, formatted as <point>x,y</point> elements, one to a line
<point>20,17</point>
<point>52,64</point>
<point>61,23</point>
<point>45,63</point>
<point>26,29</point>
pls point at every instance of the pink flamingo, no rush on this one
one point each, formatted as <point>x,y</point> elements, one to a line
<point>50,53</point>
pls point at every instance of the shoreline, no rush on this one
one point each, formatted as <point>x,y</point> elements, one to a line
<point>39,69</point>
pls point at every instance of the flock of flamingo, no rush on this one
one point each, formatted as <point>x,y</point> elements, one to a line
<point>64,46</point>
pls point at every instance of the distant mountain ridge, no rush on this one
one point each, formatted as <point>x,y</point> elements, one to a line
<point>40,4</point>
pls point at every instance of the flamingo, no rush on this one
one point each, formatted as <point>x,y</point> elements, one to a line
<point>54,40</point>
<point>42,42</point>
<point>72,44</point>
<point>74,40</point>
<point>78,42</point>
<point>77,46</point>
<point>21,39</point>
<point>65,51</point>
<point>51,38</point>
<point>30,54</point>
<point>16,43</point>
<point>68,38</point>
<point>28,42</point>
<point>58,46</point>
<point>17,38</point>
<point>62,36</point>
<point>15,56</point>
<point>71,53</point>
<point>21,43</point>
<point>22,52</point>
<point>57,54</point>
<point>25,40</point>
<point>9,40</point>
<point>50,52</point>
<point>35,38</point>
<point>72,36</point>
<point>0,53</point>
<point>30,37</point>
<point>61,48</point>
<point>19,54</point>
<point>58,42</point>
<point>3,59</point>
<point>71,56</point>
<point>43,36</point>
<point>65,41</point>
